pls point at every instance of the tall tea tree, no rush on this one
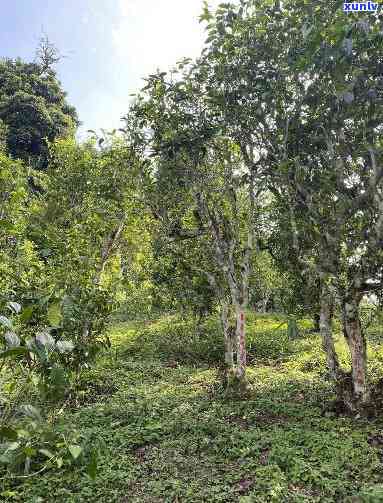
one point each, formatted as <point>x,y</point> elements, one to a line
<point>334,166</point>
<point>301,85</point>
<point>200,188</point>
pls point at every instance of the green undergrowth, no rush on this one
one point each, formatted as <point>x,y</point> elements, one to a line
<point>166,432</point>
<point>187,342</point>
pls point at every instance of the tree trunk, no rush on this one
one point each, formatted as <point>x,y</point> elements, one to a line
<point>265,301</point>
<point>241,343</point>
<point>316,319</point>
<point>225,246</point>
<point>357,344</point>
<point>228,338</point>
<point>85,331</point>
<point>107,249</point>
<point>326,334</point>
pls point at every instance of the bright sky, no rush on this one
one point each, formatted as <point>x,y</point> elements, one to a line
<point>110,45</point>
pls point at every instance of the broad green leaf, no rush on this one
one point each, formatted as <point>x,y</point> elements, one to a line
<point>58,376</point>
<point>26,313</point>
<point>14,352</point>
<point>46,453</point>
<point>91,468</point>
<point>9,494</point>
<point>75,450</point>
<point>14,306</point>
<point>30,452</point>
<point>6,459</point>
<point>54,314</point>
<point>8,433</point>
<point>6,322</point>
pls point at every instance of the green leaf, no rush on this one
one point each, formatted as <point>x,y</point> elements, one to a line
<point>8,433</point>
<point>59,462</point>
<point>6,322</point>
<point>29,452</point>
<point>6,459</point>
<point>46,453</point>
<point>13,446</point>
<point>54,314</point>
<point>43,301</point>
<point>9,494</point>
<point>7,226</point>
<point>206,14</point>
<point>10,353</point>
<point>26,313</point>
<point>75,450</point>
<point>91,468</point>
<point>68,307</point>
<point>58,376</point>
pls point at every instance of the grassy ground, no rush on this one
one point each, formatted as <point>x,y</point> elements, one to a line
<point>167,433</point>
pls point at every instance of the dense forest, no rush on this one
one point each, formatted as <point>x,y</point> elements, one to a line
<point>190,305</point>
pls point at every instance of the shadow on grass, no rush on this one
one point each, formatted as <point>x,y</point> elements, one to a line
<point>174,340</point>
<point>170,434</point>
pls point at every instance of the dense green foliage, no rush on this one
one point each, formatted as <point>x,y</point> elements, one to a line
<point>18,259</point>
<point>33,110</point>
<point>242,199</point>
<point>165,429</point>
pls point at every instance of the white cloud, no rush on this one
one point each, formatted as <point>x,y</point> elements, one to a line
<point>148,35</point>
<point>155,34</point>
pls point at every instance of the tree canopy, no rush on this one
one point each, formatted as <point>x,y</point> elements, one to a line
<point>33,107</point>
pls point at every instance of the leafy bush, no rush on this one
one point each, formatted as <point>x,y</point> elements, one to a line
<point>268,343</point>
<point>44,355</point>
<point>28,441</point>
<point>31,443</point>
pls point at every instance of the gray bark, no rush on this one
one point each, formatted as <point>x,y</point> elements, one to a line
<point>325,324</point>
<point>229,347</point>
<point>357,345</point>
<point>238,284</point>
<point>241,343</point>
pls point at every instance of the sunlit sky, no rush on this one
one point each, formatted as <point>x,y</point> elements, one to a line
<point>110,45</point>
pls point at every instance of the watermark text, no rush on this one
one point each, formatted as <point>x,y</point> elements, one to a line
<point>360,6</point>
